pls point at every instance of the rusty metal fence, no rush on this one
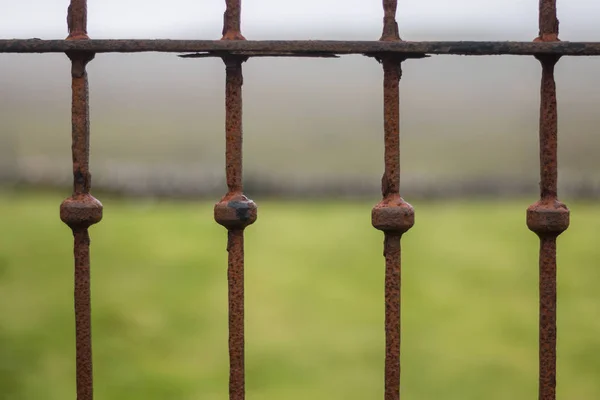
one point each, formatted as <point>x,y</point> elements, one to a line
<point>548,217</point>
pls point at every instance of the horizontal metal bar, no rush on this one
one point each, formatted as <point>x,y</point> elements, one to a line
<point>300,47</point>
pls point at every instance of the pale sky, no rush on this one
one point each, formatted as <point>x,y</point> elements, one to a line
<point>270,19</point>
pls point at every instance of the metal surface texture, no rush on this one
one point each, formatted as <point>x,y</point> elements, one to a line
<point>232,20</point>
<point>81,210</point>
<point>547,217</point>
<point>219,48</point>
<point>77,20</point>
<point>390,25</point>
<point>392,215</point>
<point>235,211</point>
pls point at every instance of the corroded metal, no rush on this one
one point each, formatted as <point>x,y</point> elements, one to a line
<point>548,21</point>
<point>548,217</point>
<point>390,26</point>
<point>392,214</point>
<point>235,212</point>
<point>77,20</point>
<point>220,48</point>
<point>232,25</point>
<point>81,210</point>
<point>394,217</point>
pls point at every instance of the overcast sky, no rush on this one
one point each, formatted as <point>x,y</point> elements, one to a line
<point>300,19</point>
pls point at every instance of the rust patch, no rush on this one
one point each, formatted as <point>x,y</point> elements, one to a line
<point>232,25</point>
<point>548,22</point>
<point>83,315</point>
<point>299,48</point>
<point>77,20</point>
<point>392,72</point>
<point>392,214</point>
<point>392,315</point>
<point>235,277</point>
<point>80,122</point>
<point>79,212</point>
<point>390,26</point>
<point>235,212</point>
<point>547,330</point>
<point>548,217</point>
<point>233,122</point>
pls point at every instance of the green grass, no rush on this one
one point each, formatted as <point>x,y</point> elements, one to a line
<point>314,302</point>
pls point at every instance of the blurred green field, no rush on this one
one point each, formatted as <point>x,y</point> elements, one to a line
<point>314,290</point>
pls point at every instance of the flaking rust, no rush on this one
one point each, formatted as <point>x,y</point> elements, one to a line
<point>77,20</point>
<point>300,48</point>
<point>81,210</point>
<point>235,211</point>
<point>232,20</point>
<point>548,217</point>
<point>392,214</point>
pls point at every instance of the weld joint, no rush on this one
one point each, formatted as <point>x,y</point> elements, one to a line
<point>79,61</point>
<point>233,62</point>
<point>548,60</point>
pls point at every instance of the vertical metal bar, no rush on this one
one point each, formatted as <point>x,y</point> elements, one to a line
<point>235,211</point>
<point>548,21</point>
<point>390,26</point>
<point>392,215</point>
<point>232,25</point>
<point>81,210</point>
<point>548,217</point>
<point>77,20</point>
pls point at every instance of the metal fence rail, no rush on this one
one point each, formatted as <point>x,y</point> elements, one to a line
<point>548,217</point>
<point>299,48</point>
